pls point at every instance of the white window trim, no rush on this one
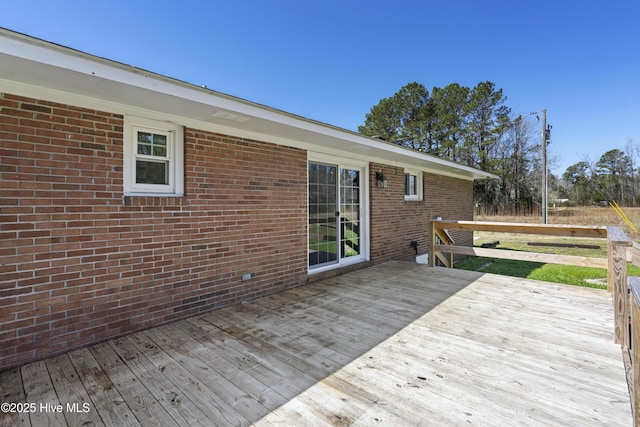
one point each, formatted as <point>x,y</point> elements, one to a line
<point>418,196</point>
<point>175,152</point>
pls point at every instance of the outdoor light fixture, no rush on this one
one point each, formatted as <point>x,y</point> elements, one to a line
<point>381,180</point>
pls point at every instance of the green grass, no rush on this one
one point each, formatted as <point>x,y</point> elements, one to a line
<point>322,238</point>
<point>566,274</point>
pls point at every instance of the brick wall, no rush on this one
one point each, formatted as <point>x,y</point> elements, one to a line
<point>396,222</point>
<point>80,263</point>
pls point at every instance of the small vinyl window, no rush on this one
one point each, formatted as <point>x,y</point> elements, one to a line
<point>412,185</point>
<point>153,161</point>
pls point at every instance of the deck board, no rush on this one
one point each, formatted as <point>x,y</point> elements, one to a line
<point>101,390</point>
<point>11,390</point>
<point>146,409</point>
<point>395,344</point>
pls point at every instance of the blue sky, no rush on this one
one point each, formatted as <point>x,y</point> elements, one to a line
<point>333,60</point>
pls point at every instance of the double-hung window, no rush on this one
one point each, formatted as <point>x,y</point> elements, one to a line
<point>412,185</point>
<point>153,157</point>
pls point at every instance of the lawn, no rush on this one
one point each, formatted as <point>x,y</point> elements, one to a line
<point>567,274</point>
<point>323,238</point>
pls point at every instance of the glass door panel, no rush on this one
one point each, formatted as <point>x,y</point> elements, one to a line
<point>323,214</point>
<point>349,213</point>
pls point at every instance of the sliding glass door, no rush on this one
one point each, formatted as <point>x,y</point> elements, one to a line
<point>335,215</point>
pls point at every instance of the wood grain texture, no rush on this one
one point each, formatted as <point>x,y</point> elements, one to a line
<point>146,408</point>
<point>394,344</point>
<point>11,390</point>
<point>617,284</point>
<point>39,389</point>
<point>617,236</point>
<point>71,392</point>
<point>635,254</point>
<point>101,390</point>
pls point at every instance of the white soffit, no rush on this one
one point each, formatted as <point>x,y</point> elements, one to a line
<point>40,69</point>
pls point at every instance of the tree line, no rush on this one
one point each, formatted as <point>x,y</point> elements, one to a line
<point>475,127</point>
<point>614,176</point>
<point>470,126</point>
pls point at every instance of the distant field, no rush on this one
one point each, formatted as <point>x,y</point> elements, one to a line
<point>579,216</point>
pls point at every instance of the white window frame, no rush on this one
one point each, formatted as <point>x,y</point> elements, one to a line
<point>418,196</point>
<point>365,243</point>
<point>175,157</point>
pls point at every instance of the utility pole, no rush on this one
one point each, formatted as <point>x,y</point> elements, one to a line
<point>546,138</point>
<point>545,201</point>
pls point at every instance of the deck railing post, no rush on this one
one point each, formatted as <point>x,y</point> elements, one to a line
<point>617,284</point>
<point>633,377</point>
<point>432,249</point>
<point>439,237</point>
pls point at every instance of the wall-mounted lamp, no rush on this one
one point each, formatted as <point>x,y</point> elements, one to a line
<point>381,180</point>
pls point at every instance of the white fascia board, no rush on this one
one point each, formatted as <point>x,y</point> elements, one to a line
<point>41,52</point>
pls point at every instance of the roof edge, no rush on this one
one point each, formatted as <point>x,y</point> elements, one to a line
<point>274,115</point>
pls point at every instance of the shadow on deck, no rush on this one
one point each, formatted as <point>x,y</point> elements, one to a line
<point>394,344</point>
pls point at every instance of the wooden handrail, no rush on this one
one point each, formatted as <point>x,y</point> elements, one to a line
<point>521,228</point>
<point>524,228</point>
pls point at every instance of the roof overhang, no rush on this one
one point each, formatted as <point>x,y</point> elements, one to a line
<point>39,69</point>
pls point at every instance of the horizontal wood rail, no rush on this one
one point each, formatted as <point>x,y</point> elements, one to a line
<point>524,228</point>
<point>524,256</point>
<point>625,291</point>
<point>440,226</point>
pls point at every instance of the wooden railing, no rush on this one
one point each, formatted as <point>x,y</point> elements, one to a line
<point>620,250</point>
<point>441,226</point>
<point>442,237</point>
<point>632,352</point>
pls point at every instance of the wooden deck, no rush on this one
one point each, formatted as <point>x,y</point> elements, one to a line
<point>392,345</point>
